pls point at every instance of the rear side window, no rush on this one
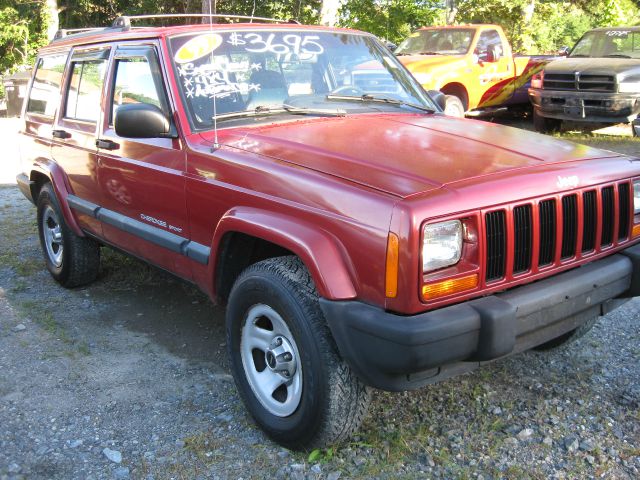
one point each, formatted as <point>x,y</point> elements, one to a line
<point>134,83</point>
<point>85,90</point>
<point>45,91</point>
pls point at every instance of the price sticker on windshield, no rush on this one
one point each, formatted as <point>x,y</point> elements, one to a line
<point>618,33</point>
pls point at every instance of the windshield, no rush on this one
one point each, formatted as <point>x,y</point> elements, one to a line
<point>446,41</point>
<point>264,72</point>
<point>615,43</point>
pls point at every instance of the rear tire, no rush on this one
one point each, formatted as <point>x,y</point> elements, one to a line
<point>72,260</point>
<point>568,337</point>
<point>284,360</point>
<point>454,106</point>
<point>545,125</point>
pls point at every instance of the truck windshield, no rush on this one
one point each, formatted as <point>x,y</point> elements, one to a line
<point>614,43</point>
<point>285,72</point>
<point>445,41</point>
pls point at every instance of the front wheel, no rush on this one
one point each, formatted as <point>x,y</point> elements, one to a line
<point>544,124</point>
<point>453,106</point>
<point>285,363</point>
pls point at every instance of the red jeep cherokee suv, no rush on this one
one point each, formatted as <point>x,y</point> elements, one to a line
<point>299,175</point>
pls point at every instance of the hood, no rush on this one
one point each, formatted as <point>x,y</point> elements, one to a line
<point>415,62</point>
<point>404,154</point>
<point>597,66</point>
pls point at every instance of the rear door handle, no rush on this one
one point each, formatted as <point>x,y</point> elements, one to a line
<point>107,144</point>
<point>60,134</point>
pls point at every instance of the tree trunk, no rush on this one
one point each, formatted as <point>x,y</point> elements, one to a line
<point>329,12</point>
<point>53,22</point>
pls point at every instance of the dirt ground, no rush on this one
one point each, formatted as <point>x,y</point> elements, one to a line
<point>128,378</point>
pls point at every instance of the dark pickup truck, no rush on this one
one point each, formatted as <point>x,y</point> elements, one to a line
<point>598,84</point>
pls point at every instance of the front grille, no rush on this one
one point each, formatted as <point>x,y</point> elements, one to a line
<point>579,82</point>
<point>522,234</point>
<point>589,220</point>
<point>560,229</point>
<point>607,216</point>
<point>569,226</point>
<point>547,211</point>
<point>496,244</point>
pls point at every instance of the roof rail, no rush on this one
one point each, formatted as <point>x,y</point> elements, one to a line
<point>124,22</point>
<point>63,32</point>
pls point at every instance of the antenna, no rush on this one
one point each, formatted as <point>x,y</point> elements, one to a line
<point>216,144</point>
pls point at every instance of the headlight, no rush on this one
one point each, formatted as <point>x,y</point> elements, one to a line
<point>636,197</point>
<point>629,87</point>
<point>442,244</point>
<point>537,81</point>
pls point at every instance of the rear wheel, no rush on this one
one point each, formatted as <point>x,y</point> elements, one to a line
<point>284,360</point>
<point>544,124</point>
<point>453,106</point>
<point>71,260</point>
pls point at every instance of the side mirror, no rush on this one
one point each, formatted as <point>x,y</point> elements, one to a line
<point>439,98</point>
<point>141,120</point>
<point>564,51</point>
<point>494,52</point>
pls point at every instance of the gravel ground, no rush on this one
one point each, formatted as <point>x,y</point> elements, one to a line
<point>128,378</point>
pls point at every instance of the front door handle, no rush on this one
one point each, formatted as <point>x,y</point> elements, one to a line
<point>60,134</point>
<point>107,144</point>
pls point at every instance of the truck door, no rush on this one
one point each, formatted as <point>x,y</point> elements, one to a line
<point>495,69</point>
<point>74,133</point>
<point>142,179</point>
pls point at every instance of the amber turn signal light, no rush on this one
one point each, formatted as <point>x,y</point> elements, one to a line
<point>635,231</point>
<point>432,291</point>
<point>391,276</point>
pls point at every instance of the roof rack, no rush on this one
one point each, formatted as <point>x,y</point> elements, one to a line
<point>63,32</point>
<point>124,22</point>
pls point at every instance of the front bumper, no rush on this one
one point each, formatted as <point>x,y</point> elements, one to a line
<point>394,352</point>
<point>583,106</point>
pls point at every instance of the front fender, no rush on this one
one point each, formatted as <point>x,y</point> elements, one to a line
<point>320,251</point>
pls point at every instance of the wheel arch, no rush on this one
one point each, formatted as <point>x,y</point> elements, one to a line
<point>459,90</point>
<point>246,235</point>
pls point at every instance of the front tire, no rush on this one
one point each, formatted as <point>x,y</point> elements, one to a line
<point>72,260</point>
<point>544,124</point>
<point>453,106</point>
<point>284,360</point>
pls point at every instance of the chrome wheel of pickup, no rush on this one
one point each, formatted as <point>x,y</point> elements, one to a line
<point>52,232</point>
<point>270,359</point>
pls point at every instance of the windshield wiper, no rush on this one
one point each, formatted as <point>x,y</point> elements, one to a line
<point>618,55</point>
<point>370,98</point>
<point>284,108</point>
<point>579,55</point>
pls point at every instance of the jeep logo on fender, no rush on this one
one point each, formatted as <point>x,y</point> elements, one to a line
<point>568,182</point>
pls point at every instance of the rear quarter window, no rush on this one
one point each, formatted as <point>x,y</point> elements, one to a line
<point>44,96</point>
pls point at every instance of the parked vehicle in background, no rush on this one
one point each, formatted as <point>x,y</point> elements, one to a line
<point>473,65</point>
<point>300,176</point>
<point>598,84</point>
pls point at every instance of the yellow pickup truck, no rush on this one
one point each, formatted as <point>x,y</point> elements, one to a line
<point>473,65</point>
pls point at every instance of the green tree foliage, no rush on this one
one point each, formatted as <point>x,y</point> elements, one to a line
<point>390,19</point>
<point>22,32</point>
<point>84,13</point>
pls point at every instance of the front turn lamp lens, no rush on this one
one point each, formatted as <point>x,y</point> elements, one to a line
<point>441,245</point>
<point>432,291</point>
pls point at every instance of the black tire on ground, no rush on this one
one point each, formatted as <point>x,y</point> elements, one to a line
<point>568,337</point>
<point>72,260</point>
<point>454,106</point>
<point>273,305</point>
<point>545,125</point>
